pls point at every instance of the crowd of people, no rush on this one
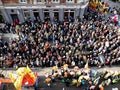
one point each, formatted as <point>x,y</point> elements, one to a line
<point>94,38</point>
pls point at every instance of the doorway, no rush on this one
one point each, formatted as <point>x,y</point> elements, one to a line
<point>56,15</point>
<point>14,17</point>
<point>36,15</point>
<point>46,15</point>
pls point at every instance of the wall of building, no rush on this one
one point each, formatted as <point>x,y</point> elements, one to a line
<point>21,14</point>
<point>11,13</point>
<point>34,1</point>
<point>16,1</point>
<point>9,1</point>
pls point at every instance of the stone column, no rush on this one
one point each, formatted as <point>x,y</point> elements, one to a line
<point>61,14</point>
<point>51,15</point>
<point>6,15</point>
<point>35,2</point>
<point>82,12</point>
<point>20,15</point>
<point>77,12</point>
<point>41,14</point>
<point>31,14</point>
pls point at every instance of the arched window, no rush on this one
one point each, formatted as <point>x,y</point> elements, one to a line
<point>23,1</point>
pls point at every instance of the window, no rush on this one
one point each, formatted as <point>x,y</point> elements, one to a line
<point>38,1</point>
<point>70,1</point>
<point>55,1</point>
<point>23,1</point>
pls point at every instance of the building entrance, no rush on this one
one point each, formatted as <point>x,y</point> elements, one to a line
<point>14,17</point>
<point>36,15</point>
<point>46,15</point>
<point>56,15</point>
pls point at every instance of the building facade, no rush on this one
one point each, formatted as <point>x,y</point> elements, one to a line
<point>10,10</point>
